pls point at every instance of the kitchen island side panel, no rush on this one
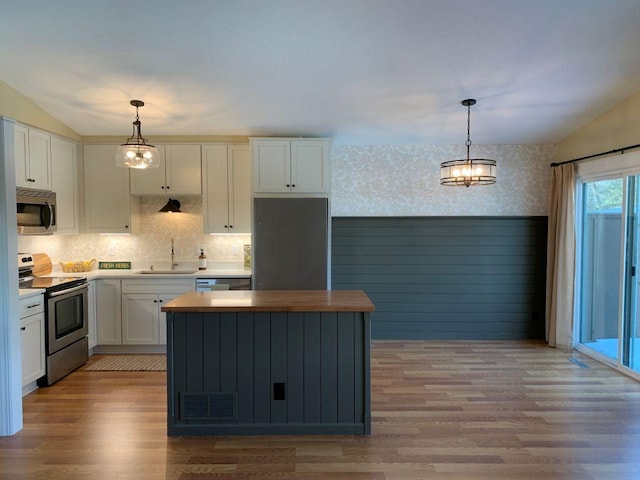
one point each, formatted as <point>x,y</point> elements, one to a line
<point>230,362</point>
<point>245,366</point>
<point>295,367</point>
<point>312,369</point>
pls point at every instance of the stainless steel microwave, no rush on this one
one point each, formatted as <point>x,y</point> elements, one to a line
<point>36,211</point>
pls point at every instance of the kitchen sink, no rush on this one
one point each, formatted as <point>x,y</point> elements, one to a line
<point>176,271</point>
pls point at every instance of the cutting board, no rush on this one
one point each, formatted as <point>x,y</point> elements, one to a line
<point>41,264</point>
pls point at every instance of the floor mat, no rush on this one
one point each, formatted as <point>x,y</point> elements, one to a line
<point>129,363</point>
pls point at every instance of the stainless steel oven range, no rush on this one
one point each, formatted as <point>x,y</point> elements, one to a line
<point>66,318</point>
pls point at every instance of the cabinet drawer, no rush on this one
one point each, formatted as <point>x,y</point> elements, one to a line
<point>31,305</point>
<point>166,285</point>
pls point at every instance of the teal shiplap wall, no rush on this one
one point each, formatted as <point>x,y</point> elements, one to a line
<point>475,278</point>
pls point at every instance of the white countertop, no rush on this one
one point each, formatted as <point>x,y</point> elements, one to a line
<point>135,273</point>
<point>30,292</point>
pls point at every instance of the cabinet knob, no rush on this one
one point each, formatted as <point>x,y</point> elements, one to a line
<point>23,328</point>
<point>230,226</point>
<point>31,179</point>
<point>293,185</point>
<point>160,300</point>
<point>226,226</point>
<point>288,185</point>
<point>126,226</point>
<point>155,301</point>
<point>168,187</point>
<point>162,187</point>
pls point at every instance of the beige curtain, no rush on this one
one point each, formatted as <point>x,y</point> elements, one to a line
<point>561,253</point>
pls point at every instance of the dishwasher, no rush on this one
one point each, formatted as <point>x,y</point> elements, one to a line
<point>209,284</point>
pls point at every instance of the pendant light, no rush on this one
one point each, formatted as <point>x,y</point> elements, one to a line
<point>172,206</point>
<point>136,152</point>
<point>469,171</point>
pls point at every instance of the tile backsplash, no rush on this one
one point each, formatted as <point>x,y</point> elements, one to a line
<point>151,245</point>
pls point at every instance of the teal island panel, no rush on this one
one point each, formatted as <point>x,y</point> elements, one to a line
<point>260,373</point>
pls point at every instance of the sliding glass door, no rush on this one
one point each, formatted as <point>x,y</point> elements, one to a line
<point>610,254</point>
<point>630,342</point>
<point>601,242</point>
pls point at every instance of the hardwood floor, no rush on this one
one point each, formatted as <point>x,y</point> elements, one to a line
<point>441,410</point>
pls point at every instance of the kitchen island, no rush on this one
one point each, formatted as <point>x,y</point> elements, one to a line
<point>268,362</point>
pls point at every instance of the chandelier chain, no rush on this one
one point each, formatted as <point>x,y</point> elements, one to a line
<point>468,142</point>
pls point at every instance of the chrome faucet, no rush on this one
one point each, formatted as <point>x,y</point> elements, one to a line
<point>173,262</point>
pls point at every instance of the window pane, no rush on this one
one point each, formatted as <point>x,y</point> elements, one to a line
<point>600,262</point>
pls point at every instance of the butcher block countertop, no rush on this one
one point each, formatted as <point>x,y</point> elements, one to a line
<point>271,301</point>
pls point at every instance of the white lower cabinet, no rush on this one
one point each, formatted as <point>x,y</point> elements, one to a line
<point>108,312</point>
<point>32,339</point>
<point>142,321</point>
<point>128,310</point>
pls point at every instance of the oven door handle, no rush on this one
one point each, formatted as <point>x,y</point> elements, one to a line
<point>69,290</point>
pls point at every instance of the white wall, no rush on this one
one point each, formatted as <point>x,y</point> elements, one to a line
<point>18,107</point>
<point>405,181</point>
<point>616,128</point>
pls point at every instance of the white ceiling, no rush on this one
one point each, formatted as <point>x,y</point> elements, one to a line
<point>360,71</point>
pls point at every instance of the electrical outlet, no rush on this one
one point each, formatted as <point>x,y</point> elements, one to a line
<point>235,250</point>
<point>278,391</point>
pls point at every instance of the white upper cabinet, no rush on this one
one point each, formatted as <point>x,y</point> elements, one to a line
<point>240,189</point>
<point>21,141</point>
<point>183,169</point>
<point>310,166</point>
<point>290,165</point>
<point>33,158</point>
<point>109,208</point>
<point>271,165</point>
<point>64,181</point>
<point>179,173</point>
<point>226,188</point>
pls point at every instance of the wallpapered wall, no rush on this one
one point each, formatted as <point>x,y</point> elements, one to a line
<point>152,245</point>
<point>405,181</point>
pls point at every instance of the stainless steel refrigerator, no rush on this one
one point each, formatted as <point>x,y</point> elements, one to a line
<point>290,243</point>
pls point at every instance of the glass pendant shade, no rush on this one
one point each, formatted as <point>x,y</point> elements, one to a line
<point>137,156</point>
<point>136,152</point>
<point>468,171</point>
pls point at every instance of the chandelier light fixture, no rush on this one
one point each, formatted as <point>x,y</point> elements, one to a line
<point>469,171</point>
<point>136,152</point>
